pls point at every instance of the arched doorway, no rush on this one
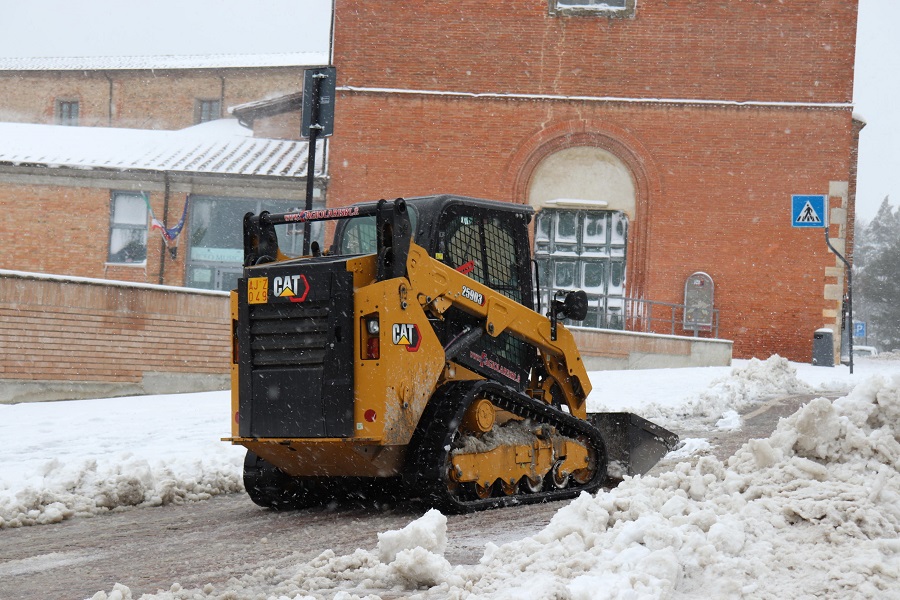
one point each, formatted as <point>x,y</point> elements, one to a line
<point>585,197</point>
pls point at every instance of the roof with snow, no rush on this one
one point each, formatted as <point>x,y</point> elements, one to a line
<point>219,147</point>
<point>211,61</point>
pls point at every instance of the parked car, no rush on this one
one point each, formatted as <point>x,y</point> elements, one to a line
<point>865,351</point>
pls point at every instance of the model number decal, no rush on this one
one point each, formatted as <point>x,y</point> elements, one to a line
<point>470,294</point>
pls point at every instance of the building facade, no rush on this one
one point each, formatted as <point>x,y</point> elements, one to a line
<point>148,92</point>
<point>657,141</point>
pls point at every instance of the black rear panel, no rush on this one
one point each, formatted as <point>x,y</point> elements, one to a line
<point>296,350</point>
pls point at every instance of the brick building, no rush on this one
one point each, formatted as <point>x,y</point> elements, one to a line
<point>659,140</point>
<point>92,150</point>
<point>143,92</point>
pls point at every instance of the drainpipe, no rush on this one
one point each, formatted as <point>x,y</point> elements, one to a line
<point>222,97</point>
<point>110,105</point>
<point>165,220</point>
<point>848,322</point>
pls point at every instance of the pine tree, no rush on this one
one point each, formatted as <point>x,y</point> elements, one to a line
<point>876,275</point>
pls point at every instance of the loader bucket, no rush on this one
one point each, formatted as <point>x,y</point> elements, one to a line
<point>633,444</point>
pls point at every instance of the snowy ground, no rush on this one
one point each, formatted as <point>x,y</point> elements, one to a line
<point>811,512</point>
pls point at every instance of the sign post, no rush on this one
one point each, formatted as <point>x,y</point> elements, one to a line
<point>317,120</point>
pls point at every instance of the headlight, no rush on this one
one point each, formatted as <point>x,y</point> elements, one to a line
<point>372,326</point>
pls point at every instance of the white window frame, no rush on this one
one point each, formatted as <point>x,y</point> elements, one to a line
<point>130,228</point>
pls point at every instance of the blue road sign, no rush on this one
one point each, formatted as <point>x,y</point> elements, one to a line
<point>859,329</point>
<point>808,211</point>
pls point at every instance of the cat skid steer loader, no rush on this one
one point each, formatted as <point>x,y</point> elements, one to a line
<point>411,354</point>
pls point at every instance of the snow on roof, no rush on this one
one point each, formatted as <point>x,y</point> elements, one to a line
<point>199,61</point>
<point>218,147</point>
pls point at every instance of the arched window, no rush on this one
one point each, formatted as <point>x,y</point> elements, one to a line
<point>585,197</point>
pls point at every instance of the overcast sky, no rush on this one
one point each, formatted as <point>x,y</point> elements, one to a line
<point>138,28</point>
<point>133,28</point>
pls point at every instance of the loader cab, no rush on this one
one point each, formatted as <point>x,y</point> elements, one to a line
<point>486,240</point>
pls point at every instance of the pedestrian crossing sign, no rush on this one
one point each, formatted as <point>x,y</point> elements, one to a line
<point>808,211</point>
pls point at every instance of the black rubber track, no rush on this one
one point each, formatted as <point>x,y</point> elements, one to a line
<point>427,455</point>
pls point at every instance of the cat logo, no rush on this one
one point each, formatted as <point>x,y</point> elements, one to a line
<point>406,334</point>
<point>293,287</point>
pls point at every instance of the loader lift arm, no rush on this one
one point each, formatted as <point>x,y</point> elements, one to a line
<point>438,287</point>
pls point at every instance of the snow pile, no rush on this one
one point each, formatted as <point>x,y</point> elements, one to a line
<point>113,453</point>
<point>746,386</point>
<point>90,487</point>
<point>811,512</point>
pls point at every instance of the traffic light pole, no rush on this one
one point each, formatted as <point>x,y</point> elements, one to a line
<point>314,129</point>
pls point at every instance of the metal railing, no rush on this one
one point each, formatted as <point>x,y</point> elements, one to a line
<point>650,316</point>
<point>645,316</point>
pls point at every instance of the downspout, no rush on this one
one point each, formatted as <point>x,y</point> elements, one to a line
<point>222,96</point>
<point>109,109</point>
<point>162,243</point>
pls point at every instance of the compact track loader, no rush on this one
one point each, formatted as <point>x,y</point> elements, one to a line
<point>411,355</point>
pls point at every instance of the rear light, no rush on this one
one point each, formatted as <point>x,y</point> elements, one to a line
<point>235,347</point>
<point>373,348</point>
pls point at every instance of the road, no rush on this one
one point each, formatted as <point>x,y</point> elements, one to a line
<point>149,549</point>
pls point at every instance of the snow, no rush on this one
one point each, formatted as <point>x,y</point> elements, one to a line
<point>82,458</point>
<point>110,283</point>
<point>221,146</point>
<point>812,511</point>
<point>630,100</point>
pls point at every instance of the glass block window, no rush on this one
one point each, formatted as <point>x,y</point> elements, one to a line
<point>584,249</point>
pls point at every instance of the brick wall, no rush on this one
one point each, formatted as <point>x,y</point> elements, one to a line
<point>801,51</point>
<point>758,109</point>
<point>64,230</point>
<point>71,337</point>
<point>714,189</point>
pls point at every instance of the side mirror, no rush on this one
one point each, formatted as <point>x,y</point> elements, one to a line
<point>574,306</point>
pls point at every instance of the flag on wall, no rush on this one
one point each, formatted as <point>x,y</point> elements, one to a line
<point>169,233</point>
